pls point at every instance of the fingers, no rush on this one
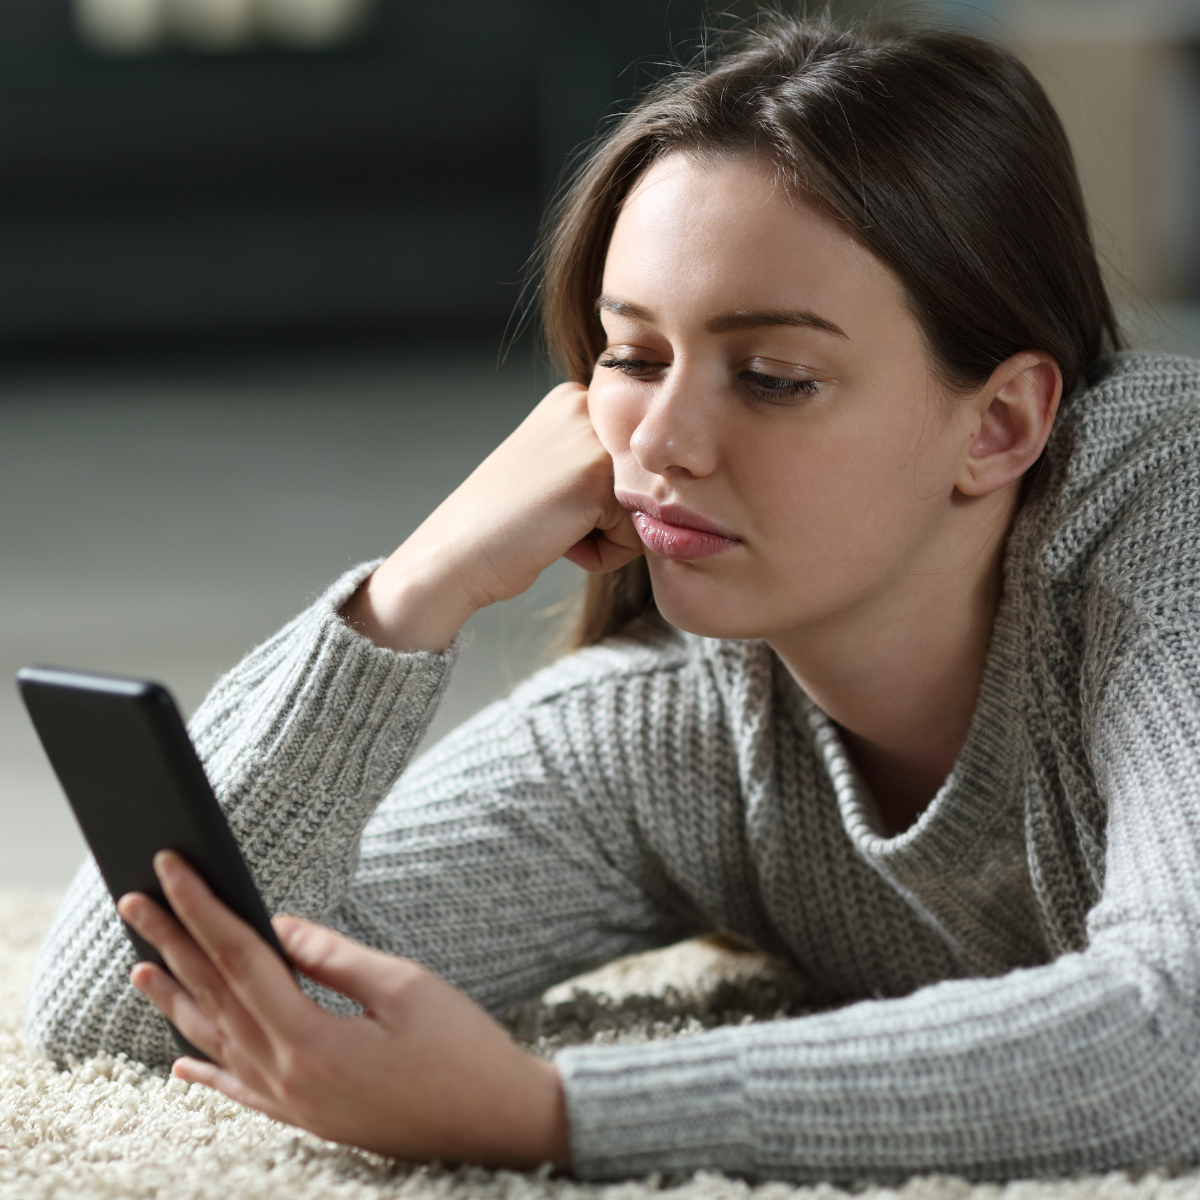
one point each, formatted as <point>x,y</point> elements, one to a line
<point>598,554</point>
<point>250,969</point>
<point>612,544</point>
<point>192,1070</point>
<point>186,962</point>
<point>178,1007</point>
<point>365,975</point>
<point>197,1000</point>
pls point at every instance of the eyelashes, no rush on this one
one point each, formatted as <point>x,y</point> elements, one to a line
<point>763,386</point>
<point>769,386</point>
<point>629,366</point>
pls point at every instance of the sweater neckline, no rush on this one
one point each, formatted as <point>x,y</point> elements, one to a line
<point>962,866</point>
<point>980,786</point>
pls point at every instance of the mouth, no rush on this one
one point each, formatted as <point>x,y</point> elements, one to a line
<point>673,531</point>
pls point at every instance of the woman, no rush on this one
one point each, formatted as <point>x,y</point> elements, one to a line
<point>890,667</point>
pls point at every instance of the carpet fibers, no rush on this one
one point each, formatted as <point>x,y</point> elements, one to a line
<point>110,1128</point>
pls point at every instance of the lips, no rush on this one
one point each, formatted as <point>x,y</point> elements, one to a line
<point>674,531</point>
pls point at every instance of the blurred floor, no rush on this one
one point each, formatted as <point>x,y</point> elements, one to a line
<point>162,520</point>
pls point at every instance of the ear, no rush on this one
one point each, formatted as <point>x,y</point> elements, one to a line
<point>1011,418</point>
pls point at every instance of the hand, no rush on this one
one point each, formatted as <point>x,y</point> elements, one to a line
<point>424,1074</point>
<point>544,493</point>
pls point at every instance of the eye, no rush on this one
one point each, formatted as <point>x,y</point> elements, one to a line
<point>773,388</point>
<point>635,368</point>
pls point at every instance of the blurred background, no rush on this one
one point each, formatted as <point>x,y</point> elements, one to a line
<point>257,259</point>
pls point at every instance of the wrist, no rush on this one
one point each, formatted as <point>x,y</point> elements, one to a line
<point>408,606</point>
<point>557,1144</point>
<point>521,1119</point>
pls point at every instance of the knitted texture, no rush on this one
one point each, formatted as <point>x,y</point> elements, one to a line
<point>1025,955</point>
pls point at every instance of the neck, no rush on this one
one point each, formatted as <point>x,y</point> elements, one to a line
<point>900,674</point>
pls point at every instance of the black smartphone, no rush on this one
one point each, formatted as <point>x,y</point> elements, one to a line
<point>123,756</point>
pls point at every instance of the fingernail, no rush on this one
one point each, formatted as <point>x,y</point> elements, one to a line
<point>164,862</point>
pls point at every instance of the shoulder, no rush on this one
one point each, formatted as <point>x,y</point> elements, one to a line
<point>1138,408</point>
<point>1117,504</point>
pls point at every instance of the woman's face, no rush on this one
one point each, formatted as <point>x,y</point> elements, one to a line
<point>767,400</point>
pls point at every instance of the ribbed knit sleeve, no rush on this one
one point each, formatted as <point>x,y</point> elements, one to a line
<point>300,741</point>
<point>1086,1063</point>
<point>536,840</point>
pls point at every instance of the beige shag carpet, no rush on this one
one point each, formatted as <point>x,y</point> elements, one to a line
<point>109,1128</point>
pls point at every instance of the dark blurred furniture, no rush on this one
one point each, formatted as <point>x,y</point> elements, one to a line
<point>393,184</point>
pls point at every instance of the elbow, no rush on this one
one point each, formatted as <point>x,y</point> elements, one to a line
<point>50,1035</point>
<point>67,1027</point>
<point>1140,1084</point>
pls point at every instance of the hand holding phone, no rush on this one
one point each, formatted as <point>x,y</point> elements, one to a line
<point>123,756</point>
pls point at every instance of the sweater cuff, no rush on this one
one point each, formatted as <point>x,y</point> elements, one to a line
<point>323,704</point>
<point>678,1105</point>
<point>303,738</point>
<point>352,712</point>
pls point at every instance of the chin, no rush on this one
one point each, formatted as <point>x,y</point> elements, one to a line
<point>701,606</point>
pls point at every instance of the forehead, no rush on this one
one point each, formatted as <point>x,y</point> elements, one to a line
<point>727,234</point>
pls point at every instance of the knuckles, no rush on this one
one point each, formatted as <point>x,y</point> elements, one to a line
<point>206,997</point>
<point>568,393</point>
<point>303,1074</point>
<point>407,987</point>
<point>154,924</point>
<point>231,956</point>
<point>293,1078</point>
<point>311,946</point>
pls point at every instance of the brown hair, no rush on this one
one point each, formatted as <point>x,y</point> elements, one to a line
<point>939,151</point>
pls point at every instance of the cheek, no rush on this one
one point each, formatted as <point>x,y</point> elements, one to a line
<point>837,504</point>
<point>613,410</point>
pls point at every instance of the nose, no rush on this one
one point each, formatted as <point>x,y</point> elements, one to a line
<point>677,432</point>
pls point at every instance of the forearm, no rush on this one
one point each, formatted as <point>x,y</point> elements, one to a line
<point>546,492</point>
<point>491,867</point>
<point>304,737</point>
<point>300,741</point>
<point>1051,1071</point>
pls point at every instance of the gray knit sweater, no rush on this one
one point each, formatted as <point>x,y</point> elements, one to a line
<point>1027,955</point>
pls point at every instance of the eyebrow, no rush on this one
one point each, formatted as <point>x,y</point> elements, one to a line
<point>727,322</point>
